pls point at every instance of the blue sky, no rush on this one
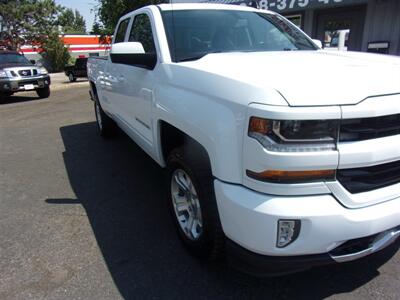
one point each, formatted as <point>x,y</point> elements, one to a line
<point>84,7</point>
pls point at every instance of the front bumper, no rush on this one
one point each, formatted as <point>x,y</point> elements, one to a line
<point>11,85</point>
<point>264,265</point>
<point>250,220</point>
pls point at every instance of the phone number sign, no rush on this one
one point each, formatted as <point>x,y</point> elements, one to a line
<point>292,5</point>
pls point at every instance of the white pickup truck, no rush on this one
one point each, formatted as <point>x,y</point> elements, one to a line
<point>280,156</point>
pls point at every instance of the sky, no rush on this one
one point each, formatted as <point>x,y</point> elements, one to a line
<point>84,7</point>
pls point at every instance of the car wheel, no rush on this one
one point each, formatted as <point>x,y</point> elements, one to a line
<point>192,203</point>
<point>105,124</point>
<point>71,77</point>
<point>43,92</point>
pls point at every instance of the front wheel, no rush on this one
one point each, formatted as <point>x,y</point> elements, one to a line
<point>71,77</point>
<point>43,93</point>
<point>192,203</point>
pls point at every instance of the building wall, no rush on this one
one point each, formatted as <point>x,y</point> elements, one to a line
<point>78,45</point>
<point>382,23</point>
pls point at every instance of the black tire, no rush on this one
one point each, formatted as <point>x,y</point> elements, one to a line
<point>106,126</point>
<point>71,77</point>
<point>43,93</point>
<point>195,163</point>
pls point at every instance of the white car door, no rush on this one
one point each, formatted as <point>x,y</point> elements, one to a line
<point>136,103</point>
<point>113,84</point>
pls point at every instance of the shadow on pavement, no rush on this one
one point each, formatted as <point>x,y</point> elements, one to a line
<point>80,79</point>
<point>20,97</point>
<point>121,189</point>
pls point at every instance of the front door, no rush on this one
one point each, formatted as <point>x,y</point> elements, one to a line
<point>138,84</point>
<point>341,29</point>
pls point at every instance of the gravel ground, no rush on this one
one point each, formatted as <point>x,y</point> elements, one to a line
<point>85,218</point>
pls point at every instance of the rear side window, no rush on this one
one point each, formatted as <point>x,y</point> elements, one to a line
<point>120,35</point>
<point>141,32</point>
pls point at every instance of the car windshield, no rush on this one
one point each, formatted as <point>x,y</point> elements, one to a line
<point>11,58</point>
<point>193,34</point>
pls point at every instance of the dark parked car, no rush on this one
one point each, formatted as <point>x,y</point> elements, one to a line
<point>18,74</point>
<point>77,70</point>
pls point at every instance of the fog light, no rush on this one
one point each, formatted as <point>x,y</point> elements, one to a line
<point>288,231</point>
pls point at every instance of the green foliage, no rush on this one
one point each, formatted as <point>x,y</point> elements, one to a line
<point>55,53</point>
<point>71,22</point>
<point>27,21</point>
<point>109,11</point>
<point>71,61</point>
<point>97,28</point>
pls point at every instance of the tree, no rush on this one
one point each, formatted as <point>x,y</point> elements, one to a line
<point>109,11</point>
<point>34,22</point>
<point>55,53</point>
<point>27,21</point>
<point>71,22</point>
<point>97,28</point>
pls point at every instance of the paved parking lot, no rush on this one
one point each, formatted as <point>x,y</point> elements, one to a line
<point>85,218</point>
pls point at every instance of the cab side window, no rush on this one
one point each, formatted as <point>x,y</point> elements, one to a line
<point>141,32</point>
<point>120,35</point>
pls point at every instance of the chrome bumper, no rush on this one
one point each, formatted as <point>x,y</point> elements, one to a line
<point>381,241</point>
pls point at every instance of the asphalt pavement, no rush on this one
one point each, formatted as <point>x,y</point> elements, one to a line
<point>86,218</point>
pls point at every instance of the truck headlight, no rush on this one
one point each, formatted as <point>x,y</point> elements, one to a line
<point>3,74</point>
<point>43,71</point>
<point>294,135</point>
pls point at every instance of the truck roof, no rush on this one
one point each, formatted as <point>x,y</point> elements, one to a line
<point>188,6</point>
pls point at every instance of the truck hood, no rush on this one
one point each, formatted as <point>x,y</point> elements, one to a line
<point>13,65</point>
<point>309,78</point>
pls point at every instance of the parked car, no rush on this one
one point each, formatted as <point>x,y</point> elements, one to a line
<point>266,162</point>
<point>18,74</point>
<point>78,70</point>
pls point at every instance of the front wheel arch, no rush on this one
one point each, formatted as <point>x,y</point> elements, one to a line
<point>171,137</point>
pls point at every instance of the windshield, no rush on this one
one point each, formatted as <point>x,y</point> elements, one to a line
<point>192,34</point>
<point>11,58</point>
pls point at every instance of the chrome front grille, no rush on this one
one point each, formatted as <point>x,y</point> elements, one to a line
<point>25,73</point>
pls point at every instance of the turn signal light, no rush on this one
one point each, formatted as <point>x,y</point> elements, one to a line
<point>277,176</point>
<point>260,125</point>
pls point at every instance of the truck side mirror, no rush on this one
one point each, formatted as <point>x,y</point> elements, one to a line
<point>318,43</point>
<point>132,53</point>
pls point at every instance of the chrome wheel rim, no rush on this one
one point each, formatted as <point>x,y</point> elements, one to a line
<point>186,204</point>
<point>98,116</point>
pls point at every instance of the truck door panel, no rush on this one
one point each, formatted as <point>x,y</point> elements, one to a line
<point>138,83</point>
